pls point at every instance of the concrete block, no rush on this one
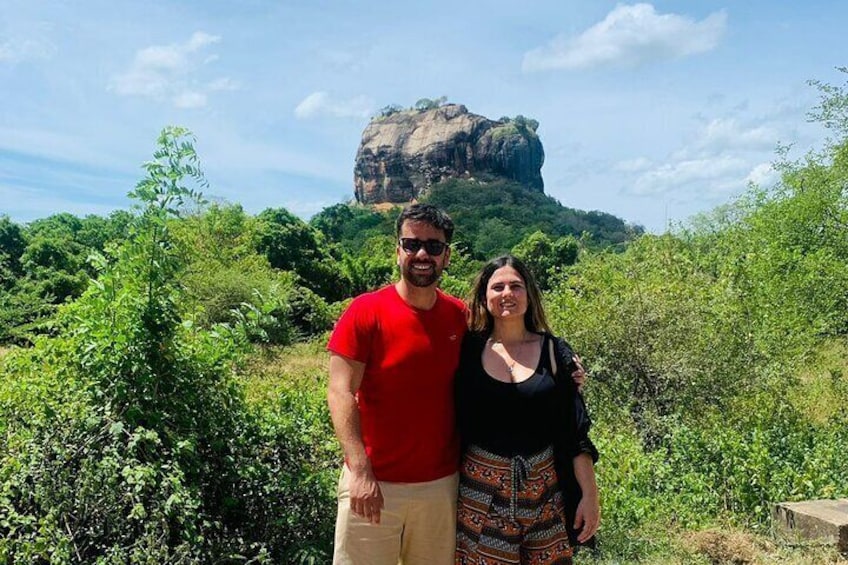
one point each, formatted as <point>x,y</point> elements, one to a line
<point>824,521</point>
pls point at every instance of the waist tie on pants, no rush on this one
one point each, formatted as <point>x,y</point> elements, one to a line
<point>519,471</point>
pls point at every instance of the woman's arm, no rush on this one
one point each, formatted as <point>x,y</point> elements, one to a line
<point>588,515</point>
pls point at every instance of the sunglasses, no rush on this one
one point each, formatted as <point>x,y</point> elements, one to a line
<point>433,247</point>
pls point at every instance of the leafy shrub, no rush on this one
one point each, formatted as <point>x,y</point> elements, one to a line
<point>290,244</point>
<point>294,459</point>
<point>546,257</point>
<point>127,438</point>
<point>46,264</point>
<point>765,452</point>
<point>287,313</point>
<point>705,349</point>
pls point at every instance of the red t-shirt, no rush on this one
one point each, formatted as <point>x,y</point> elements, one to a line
<point>406,405</point>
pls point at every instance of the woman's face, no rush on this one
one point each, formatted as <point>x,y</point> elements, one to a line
<point>506,294</point>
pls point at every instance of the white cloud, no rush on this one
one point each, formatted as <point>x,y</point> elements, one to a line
<point>629,35</point>
<point>18,50</point>
<point>166,72</point>
<point>712,173</point>
<point>762,175</point>
<point>723,157</point>
<point>726,133</point>
<point>320,103</point>
<point>189,99</point>
<point>636,165</point>
<point>201,39</point>
<point>223,84</point>
<point>311,105</point>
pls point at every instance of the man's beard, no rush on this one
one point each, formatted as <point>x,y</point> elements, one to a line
<point>416,278</point>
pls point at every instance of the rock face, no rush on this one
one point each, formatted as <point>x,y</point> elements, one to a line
<point>402,155</point>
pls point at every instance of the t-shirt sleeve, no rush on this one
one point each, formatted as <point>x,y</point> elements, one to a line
<point>354,331</point>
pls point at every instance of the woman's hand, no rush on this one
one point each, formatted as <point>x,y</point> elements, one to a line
<point>588,517</point>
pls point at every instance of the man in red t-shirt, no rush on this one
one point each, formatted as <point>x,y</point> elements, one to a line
<point>393,355</point>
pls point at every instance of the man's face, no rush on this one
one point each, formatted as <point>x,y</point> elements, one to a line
<point>420,268</point>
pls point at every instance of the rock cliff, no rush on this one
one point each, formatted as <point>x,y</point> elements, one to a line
<point>403,154</point>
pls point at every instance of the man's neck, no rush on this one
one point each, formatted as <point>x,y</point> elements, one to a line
<point>419,297</point>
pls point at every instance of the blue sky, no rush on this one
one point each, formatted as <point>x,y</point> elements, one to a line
<point>652,112</point>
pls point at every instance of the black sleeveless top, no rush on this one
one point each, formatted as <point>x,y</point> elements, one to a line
<point>503,418</point>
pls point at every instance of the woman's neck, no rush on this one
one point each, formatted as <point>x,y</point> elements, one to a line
<point>510,332</point>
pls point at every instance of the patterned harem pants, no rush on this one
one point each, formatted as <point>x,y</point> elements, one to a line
<point>510,511</point>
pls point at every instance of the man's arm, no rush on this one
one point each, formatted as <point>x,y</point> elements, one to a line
<point>345,377</point>
<point>579,375</point>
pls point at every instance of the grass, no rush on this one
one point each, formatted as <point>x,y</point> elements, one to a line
<point>722,545</point>
<point>273,370</point>
<point>824,384</point>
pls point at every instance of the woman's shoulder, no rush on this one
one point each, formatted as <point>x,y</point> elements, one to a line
<point>559,342</point>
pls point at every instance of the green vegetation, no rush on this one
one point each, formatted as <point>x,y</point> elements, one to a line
<point>422,105</point>
<point>127,436</point>
<point>707,348</point>
<point>45,264</point>
<point>425,104</point>
<point>518,124</point>
<point>494,217</point>
<point>162,373</point>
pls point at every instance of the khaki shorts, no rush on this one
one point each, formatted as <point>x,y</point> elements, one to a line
<point>417,525</point>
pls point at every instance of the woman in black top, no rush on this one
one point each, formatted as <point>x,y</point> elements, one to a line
<point>524,431</point>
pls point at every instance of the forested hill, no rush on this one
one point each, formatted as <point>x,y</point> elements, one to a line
<point>494,217</point>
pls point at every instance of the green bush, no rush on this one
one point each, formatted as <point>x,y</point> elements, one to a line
<point>290,244</point>
<point>127,437</point>
<point>705,346</point>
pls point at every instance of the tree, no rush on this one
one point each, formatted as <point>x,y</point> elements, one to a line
<point>131,441</point>
<point>291,244</point>
<point>525,123</point>
<point>12,246</point>
<point>424,104</point>
<point>350,226</point>
<point>372,267</point>
<point>832,110</point>
<point>546,257</point>
<point>387,111</point>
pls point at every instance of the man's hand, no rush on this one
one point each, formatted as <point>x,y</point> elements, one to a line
<point>587,518</point>
<point>366,500</point>
<point>346,375</point>
<point>579,374</point>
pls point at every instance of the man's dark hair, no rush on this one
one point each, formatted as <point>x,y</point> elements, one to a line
<point>427,214</point>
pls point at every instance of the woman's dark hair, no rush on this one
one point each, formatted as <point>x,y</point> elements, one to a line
<point>480,318</point>
<point>426,214</point>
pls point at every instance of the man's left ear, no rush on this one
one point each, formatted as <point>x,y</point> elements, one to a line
<point>447,257</point>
